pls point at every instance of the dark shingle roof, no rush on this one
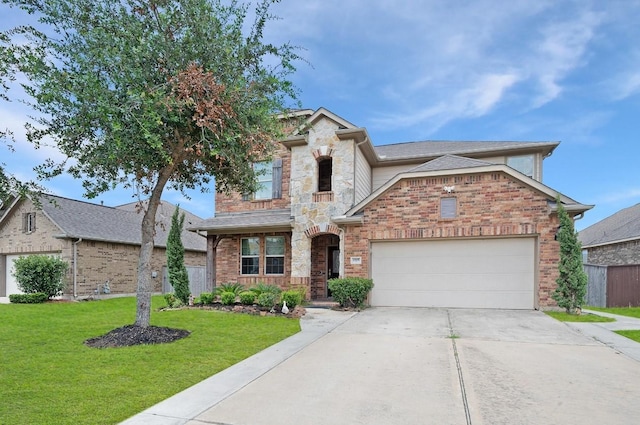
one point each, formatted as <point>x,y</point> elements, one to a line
<point>623,225</point>
<point>449,162</point>
<point>246,220</point>
<point>439,148</point>
<point>79,219</point>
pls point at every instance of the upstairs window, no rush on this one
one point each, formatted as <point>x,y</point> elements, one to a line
<point>264,173</point>
<point>269,176</point>
<point>448,208</point>
<point>250,254</point>
<point>28,222</point>
<point>522,163</point>
<point>325,166</point>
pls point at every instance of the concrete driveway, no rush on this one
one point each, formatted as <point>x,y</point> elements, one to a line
<point>435,366</point>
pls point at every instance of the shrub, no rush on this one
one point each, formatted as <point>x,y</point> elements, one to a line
<point>292,298</point>
<point>236,288</point>
<point>262,288</point>
<point>247,297</point>
<point>351,291</point>
<point>267,299</point>
<point>34,298</point>
<point>228,298</point>
<point>40,273</point>
<point>177,271</point>
<point>207,297</point>
<point>172,300</point>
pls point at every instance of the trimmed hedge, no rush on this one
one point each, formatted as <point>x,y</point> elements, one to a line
<point>40,273</point>
<point>350,291</point>
<point>34,298</point>
<point>292,297</point>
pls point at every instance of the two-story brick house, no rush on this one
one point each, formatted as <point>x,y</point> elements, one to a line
<point>445,224</point>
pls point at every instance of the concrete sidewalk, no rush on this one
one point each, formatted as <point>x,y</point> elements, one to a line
<point>188,404</point>
<point>604,332</point>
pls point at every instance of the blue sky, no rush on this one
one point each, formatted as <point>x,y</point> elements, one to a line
<point>558,70</point>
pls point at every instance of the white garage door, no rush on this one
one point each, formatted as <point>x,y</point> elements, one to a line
<point>486,273</point>
<point>12,284</point>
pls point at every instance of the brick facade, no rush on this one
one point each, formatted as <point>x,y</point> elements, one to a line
<point>228,262</point>
<point>488,205</point>
<point>234,202</point>
<point>97,262</point>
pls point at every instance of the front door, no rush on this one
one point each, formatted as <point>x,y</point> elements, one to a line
<point>333,265</point>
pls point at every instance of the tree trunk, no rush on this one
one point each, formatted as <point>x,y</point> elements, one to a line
<point>145,283</point>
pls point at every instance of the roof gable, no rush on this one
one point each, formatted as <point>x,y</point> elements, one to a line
<point>79,219</point>
<point>449,162</point>
<point>435,148</point>
<point>619,227</point>
<point>452,165</point>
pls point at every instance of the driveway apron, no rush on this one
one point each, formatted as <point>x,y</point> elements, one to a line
<point>439,366</point>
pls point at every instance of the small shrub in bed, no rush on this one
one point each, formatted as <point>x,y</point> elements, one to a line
<point>35,298</point>
<point>228,298</point>
<point>350,291</point>
<point>247,297</point>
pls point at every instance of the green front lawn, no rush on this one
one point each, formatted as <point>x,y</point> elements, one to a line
<point>47,374</point>
<point>634,335</point>
<point>584,317</point>
<point>622,311</point>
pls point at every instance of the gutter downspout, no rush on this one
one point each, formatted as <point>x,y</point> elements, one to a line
<point>75,268</point>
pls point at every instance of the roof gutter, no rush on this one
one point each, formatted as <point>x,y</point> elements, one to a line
<point>75,268</point>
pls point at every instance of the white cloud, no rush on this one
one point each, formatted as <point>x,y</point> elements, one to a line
<point>618,196</point>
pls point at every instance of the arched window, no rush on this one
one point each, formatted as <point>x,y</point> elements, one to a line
<point>324,175</point>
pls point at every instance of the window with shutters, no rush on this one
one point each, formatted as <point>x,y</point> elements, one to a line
<point>269,175</point>
<point>448,208</point>
<point>264,172</point>
<point>28,222</point>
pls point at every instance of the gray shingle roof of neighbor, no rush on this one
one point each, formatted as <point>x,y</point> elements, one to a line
<point>436,148</point>
<point>449,162</point>
<point>621,226</point>
<point>246,220</point>
<point>80,219</point>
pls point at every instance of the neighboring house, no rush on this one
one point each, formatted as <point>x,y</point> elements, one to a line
<point>101,244</point>
<point>444,224</point>
<point>614,240</point>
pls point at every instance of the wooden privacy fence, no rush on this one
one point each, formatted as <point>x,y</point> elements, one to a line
<point>613,286</point>
<point>197,284</point>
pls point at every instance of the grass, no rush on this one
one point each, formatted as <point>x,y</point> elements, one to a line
<point>634,335</point>
<point>585,317</point>
<point>622,311</point>
<point>47,374</point>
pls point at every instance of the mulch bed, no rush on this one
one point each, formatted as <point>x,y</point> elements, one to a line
<point>129,335</point>
<point>135,335</point>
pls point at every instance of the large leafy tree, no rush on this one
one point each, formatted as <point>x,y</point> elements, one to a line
<point>572,279</point>
<point>153,94</point>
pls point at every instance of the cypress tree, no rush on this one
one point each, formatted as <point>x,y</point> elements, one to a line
<point>178,276</point>
<point>572,280</point>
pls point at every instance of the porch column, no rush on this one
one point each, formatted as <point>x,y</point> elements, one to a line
<point>210,278</point>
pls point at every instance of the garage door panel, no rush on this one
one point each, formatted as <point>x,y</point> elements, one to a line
<point>453,282</point>
<point>489,273</point>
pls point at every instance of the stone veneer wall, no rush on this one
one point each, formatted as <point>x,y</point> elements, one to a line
<point>615,254</point>
<point>488,205</point>
<point>322,140</point>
